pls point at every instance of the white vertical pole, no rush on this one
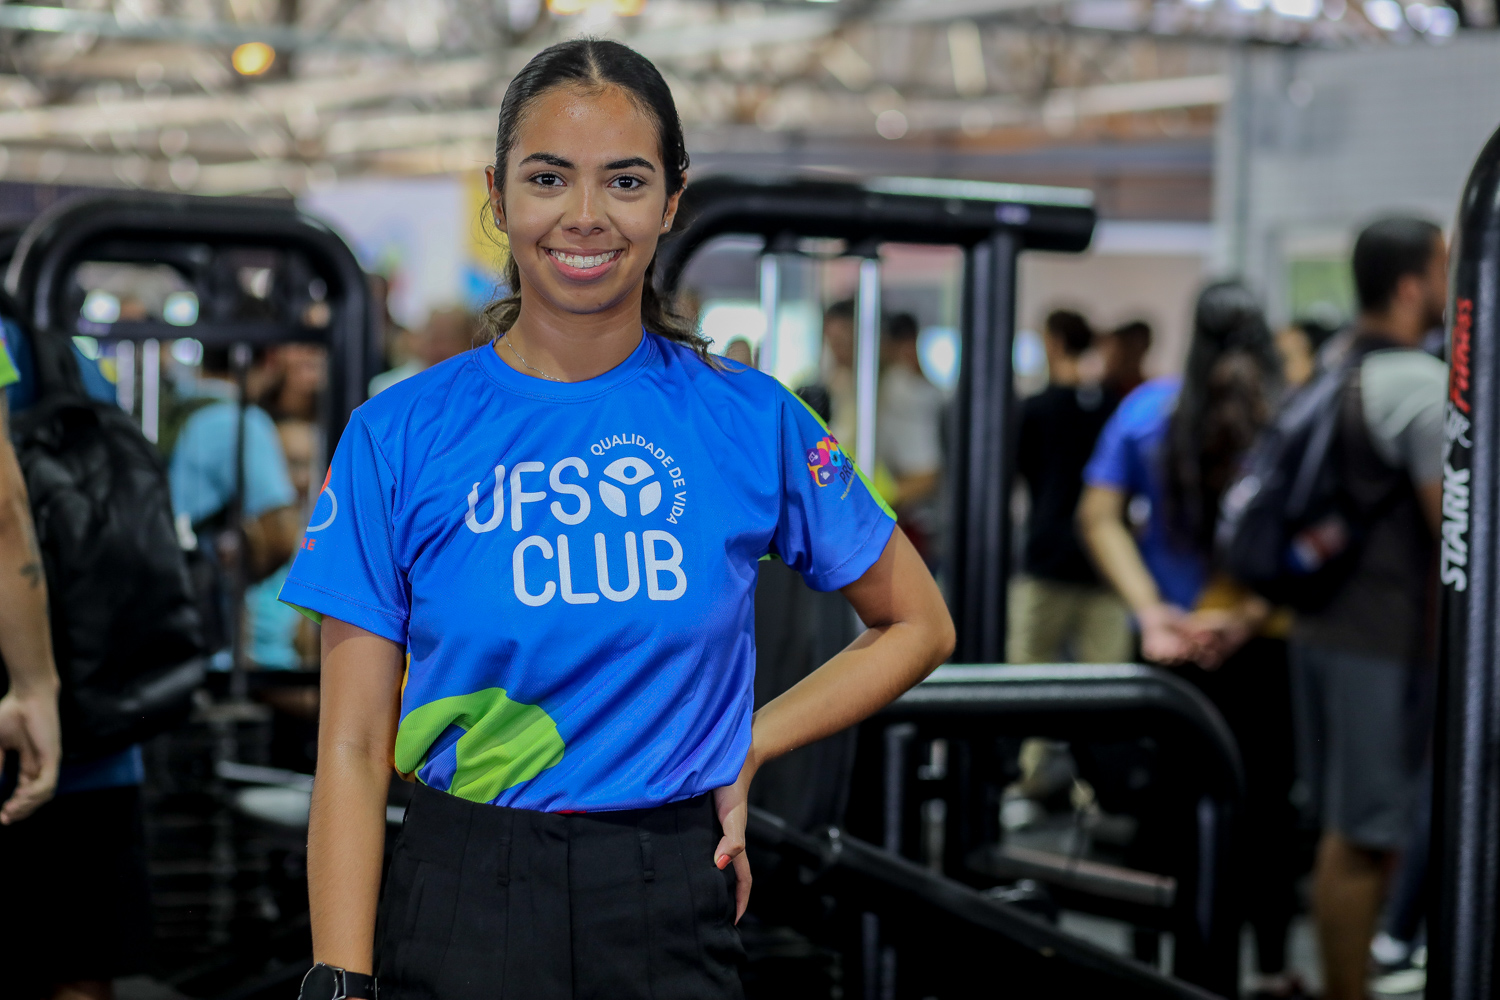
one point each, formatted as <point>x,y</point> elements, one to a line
<point>125,375</point>
<point>770,308</point>
<point>866,362</point>
<point>151,389</point>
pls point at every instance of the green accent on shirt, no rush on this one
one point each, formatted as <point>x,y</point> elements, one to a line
<point>8,373</point>
<point>506,742</point>
<point>850,458</point>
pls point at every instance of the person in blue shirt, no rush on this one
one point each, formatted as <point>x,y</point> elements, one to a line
<point>202,470</point>
<point>535,565</point>
<point>1168,452</point>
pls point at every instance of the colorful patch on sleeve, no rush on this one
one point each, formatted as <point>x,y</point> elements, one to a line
<point>827,462</point>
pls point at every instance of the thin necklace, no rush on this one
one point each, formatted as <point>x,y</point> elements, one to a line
<point>524,362</point>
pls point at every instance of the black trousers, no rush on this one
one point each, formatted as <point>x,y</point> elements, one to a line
<point>495,903</point>
<point>74,900</point>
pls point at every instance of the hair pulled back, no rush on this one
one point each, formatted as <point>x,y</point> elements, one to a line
<point>594,64</point>
<point>1231,374</point>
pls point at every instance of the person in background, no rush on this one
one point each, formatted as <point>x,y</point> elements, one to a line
<point>1177,443</point>
<point>739,350</point>
<point>202,469</point>
<point>1125,351</point>
<point>79,907</point>
<point>28,708</point>
<point>837,376</point>
<point>908,433</point>
<point>1298,343</point>
<point>1058,607</point>
<point>447,334</point>
<point>298,375</point>
<point>280,638</point>
<point>1358,661</point>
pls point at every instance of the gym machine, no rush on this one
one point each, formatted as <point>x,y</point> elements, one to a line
<point>917,930</point>
<point>1466,815</point>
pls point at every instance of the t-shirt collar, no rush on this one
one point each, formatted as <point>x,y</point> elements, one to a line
<point>541,388</point>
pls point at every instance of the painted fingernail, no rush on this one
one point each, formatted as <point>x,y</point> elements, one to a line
<point>723,860</point>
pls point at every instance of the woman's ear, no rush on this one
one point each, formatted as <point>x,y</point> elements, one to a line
<point>497,203</point>
<point>671,212</point>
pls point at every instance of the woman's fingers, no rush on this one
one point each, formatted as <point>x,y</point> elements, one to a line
<point>741,885</point>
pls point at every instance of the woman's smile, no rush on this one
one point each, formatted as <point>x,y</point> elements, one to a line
<point>583,266</point>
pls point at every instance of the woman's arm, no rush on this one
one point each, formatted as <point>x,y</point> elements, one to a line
<point>908,633</point>
<point>346,836</point>
<point>1101,524</point>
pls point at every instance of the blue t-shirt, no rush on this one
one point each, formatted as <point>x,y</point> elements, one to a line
<point>1127,457</point>
<point>202,468</point>
<point>571,566</point>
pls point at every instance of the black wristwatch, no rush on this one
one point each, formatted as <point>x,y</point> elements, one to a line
<point>329,982</point>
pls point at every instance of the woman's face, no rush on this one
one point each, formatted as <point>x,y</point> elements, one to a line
<point>584,199</point>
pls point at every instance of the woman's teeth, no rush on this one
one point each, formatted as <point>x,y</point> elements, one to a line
<point>583,262</point>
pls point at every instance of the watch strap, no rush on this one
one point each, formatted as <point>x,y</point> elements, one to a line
<point>358,986</point>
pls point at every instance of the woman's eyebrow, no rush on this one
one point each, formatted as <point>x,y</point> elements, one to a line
<point>551,159</point>
<point>630,161</point>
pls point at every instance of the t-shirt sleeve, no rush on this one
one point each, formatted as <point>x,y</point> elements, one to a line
<point>833,525</point>
<point>1110,465</point>
<point>348,567</point>
<point>1403,395</point>
<point>9,374</point>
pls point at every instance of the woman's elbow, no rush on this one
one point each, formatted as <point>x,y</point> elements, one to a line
<point>943,639</point>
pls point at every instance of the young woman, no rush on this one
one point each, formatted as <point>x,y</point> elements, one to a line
<point>536,563</point>
<point>1178,443</point>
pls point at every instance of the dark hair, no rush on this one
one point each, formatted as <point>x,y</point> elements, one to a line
<point>842,309</point>
<point>1316,331</point>
<point>1387,251</point>
<point>1231,374</point>
<point>1137,333</point>
<point>217,359</point>
<point>902,326</point>
<point>594,64</point>
<point>1071,328</point>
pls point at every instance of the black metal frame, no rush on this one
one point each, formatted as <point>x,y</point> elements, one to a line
<point>957,941</point>
<point>971,706</point>
<point>1466,835</point>
<point>141,227</point>
<point>992,233</point>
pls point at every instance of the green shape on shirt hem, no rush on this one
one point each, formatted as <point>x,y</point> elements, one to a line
<point>506,742</point>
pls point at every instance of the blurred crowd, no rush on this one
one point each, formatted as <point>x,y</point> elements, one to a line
<point>1124,558</point>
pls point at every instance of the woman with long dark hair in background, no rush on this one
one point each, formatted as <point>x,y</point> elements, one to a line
<point>1176,444</point>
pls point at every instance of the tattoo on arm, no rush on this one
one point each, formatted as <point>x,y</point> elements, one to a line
<point>32,571</point>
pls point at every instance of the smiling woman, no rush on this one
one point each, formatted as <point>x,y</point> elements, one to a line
<point>538,599</point>
<point>583,227</point>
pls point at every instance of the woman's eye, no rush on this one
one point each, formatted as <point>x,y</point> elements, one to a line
<point>627,183</point>
<point>547,180</point>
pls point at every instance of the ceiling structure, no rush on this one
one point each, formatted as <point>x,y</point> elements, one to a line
<point>146,92</point>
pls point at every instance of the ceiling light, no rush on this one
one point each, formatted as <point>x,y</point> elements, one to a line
<point>890,124</point>
<point>252,58</point>
<point>1442,21</point>
<point>1386,15</point>
<point>1302,10</point>
<point>620,8</point>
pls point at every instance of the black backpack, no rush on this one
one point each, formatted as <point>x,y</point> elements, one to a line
<point>125,628</point>
<point>1288,529</point>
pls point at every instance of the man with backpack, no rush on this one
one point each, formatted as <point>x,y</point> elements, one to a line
<point>1355,659</point>
<point>28,709</point>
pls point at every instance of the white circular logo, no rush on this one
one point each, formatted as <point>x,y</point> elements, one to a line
<point>629,471</point>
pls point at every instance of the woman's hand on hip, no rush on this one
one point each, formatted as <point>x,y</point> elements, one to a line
<point>732,803</point>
